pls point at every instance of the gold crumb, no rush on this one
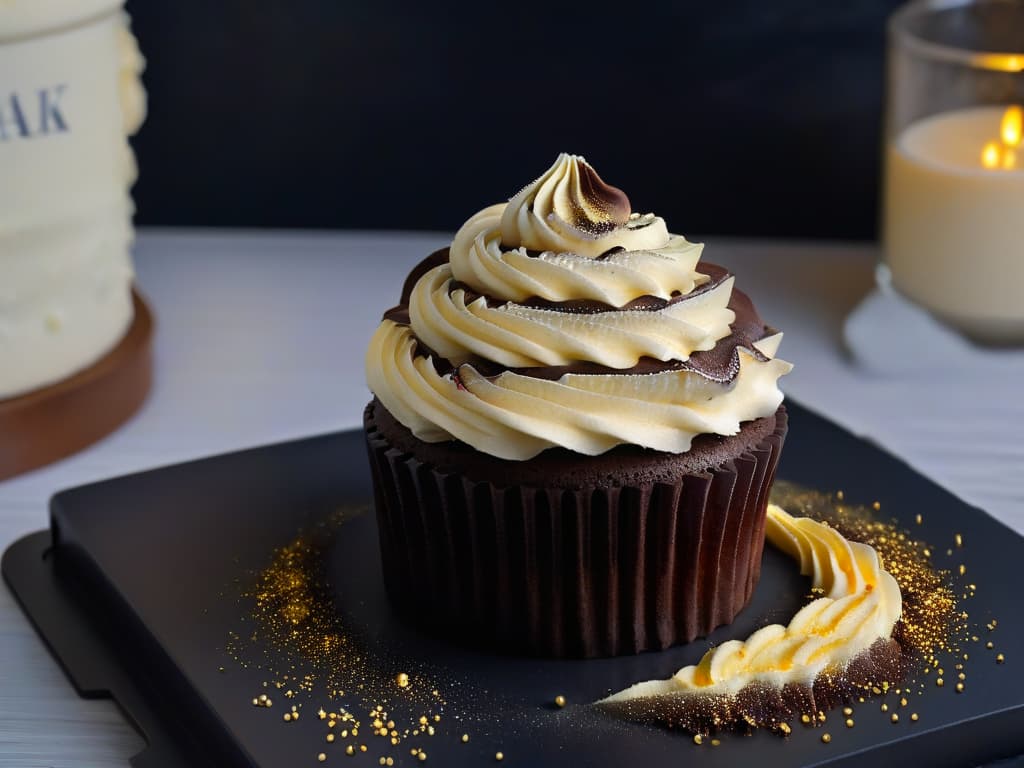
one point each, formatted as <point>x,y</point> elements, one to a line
<point>826,738</point>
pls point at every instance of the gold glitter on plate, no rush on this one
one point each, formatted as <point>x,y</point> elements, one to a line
<point>295,634</point>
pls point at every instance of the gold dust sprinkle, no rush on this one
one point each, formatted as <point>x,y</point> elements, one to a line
<point>990,645</point>
<point>885,707</point>
<point>877,505</point>
<point>1000,658</point>
<point>826,738</point>
<point>465,738</point>
<point>499,756</point>
<point>849,722</point>
<point>559,701</point>
<point>958,540</point>
<point>962,569</point>
<point>784,727</point>
<point>895,717</point>
<point>913,716</point>
<point>959,687</point>
<point>402,679</point>
<point>847,711</point>
<point>698,739</point>
<point>918,519</point>
<point>422,756</point>
<point>805,718</point>
<point>350,750</point>
<point>939,682</point>
<point>903,702</point>
<point>330,737</point>
<point>715,743</point>
<point>321,757</point>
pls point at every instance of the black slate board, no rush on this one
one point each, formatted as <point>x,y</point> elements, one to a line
<point>128,590</point>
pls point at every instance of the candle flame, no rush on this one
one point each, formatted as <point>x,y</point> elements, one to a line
<point>1000,62</point>
<point>1011,126</point>
<point>992,155</point>
<point>1002,154</point>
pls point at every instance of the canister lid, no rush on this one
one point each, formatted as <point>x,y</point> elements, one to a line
<point>28,18</point>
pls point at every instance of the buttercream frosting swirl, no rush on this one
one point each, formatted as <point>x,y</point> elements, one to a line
<point>565,275</point>
<point>861,604</point>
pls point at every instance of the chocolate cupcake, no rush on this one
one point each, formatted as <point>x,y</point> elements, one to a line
<point>574,429</point>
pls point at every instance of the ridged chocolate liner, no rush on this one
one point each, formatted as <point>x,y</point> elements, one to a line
<point>602,570</point>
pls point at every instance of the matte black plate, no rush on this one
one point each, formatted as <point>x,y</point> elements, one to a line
<point>131,590</point>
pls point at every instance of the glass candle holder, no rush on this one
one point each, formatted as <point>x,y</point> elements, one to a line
<point>953,218</point>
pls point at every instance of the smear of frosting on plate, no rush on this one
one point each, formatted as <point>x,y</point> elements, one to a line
<point>860,604</point>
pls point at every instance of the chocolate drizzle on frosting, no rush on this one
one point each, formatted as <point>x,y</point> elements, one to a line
<point>598,207</point>
<point>721,363</point>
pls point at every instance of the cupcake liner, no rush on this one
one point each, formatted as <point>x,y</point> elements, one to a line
<point>596,571</point>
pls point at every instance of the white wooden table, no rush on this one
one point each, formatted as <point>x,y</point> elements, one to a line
<point>260,338</point>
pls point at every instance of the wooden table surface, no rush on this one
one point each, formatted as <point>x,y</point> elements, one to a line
<point>260,338</point>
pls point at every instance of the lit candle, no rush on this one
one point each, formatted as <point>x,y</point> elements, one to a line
<point>954,219</point>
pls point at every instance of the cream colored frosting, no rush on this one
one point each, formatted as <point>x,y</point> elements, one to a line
<point>518,336</point>
<point>664,265</point>
<point>861,604</point>
<point>513,416</point>
<point>566,237</point>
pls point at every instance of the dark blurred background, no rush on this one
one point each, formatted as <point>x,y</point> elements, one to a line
<point>742,117</point>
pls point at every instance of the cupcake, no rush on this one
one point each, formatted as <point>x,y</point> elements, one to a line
<point>574,429</point>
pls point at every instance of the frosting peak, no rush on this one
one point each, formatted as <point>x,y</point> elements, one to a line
<point>569,208</point>
<point>569,194</point>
